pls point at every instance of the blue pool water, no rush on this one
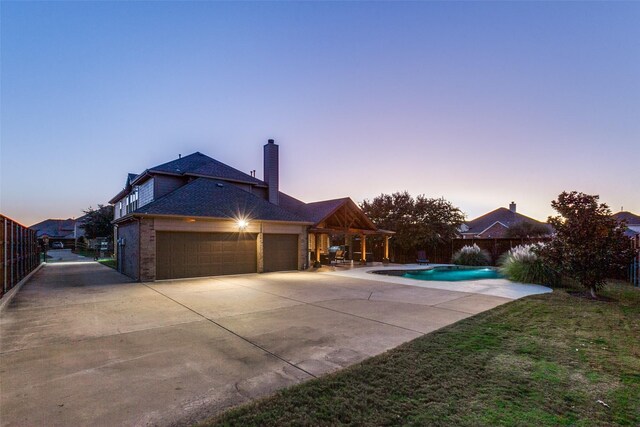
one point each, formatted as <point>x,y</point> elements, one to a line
<point>453,274</point>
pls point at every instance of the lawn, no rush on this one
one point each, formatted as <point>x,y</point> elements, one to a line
<point>109,262</point>
<point>541,360</point>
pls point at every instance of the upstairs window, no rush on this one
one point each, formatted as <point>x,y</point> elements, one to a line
<point>131,201</point>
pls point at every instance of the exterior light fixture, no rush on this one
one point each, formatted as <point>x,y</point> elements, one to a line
<point>243,224</point>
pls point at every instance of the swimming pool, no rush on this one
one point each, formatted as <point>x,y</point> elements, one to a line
<point>447,273</point>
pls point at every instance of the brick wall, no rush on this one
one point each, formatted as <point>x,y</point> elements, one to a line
<point>147,250</point>
<point>303,251</point>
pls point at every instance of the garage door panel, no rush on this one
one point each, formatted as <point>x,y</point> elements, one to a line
<point>280,252</point>
<point>183,254</point>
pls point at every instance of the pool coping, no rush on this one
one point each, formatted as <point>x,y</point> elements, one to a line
<point>494,287</point>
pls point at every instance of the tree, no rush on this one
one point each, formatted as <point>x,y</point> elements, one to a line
<point>417,222</point>
<point>97,222</point>
<point>589,242</point>
<point>524,229</point>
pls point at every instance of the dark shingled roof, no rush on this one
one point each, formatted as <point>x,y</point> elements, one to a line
<point>313,212</point>
<point>502,215</point>
<point>200,164</point>
<point>204,197</point>
<point>317,211</point>
<point>55,228</point>
<point>631,218</point>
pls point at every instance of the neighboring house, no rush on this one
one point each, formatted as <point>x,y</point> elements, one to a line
<point>632,221</point>
<point>195,216</point>
<point>495,224</point>
<point>65,231</point>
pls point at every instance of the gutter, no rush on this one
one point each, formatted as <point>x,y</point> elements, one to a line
<point>133,216</point>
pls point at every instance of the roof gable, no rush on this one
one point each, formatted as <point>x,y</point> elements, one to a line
<point>630,218</point>
<point>495,230</point>
<point>502,215</point>
<point>199,164</point>
<point>205,197</point>
<point>55,228</point>
<point>130,178</point>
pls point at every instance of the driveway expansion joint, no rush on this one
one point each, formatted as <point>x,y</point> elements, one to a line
<point>336,311</point>
<point>234,333</point>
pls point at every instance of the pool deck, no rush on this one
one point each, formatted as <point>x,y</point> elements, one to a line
<point>495,287</point>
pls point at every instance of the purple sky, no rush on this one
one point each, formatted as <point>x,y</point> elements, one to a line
<point>481,103</point>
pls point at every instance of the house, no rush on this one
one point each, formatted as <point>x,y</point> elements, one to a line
<point>195,216</point>
<point>496,224</point>
<point>632,220</point>
<point>65,231</point>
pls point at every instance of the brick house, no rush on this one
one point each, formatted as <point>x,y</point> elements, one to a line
<point>496,224</point>
<point>195,216</point>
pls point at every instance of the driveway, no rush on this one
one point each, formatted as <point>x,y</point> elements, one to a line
<point>80,344</point>
<point>65,255</point>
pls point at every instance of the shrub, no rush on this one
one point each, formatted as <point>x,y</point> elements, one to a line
<point>523,264</point>
<point>471,255</point>
<point>589,243</point>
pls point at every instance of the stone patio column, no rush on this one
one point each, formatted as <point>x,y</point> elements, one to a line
<point>363,247</point>
<point>386,247</point>
<point>260,251</point>
<point>317,246</point>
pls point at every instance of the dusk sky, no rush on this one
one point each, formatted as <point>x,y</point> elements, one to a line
<point>480,103</point>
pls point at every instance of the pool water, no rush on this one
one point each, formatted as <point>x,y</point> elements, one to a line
<point>454,274</point>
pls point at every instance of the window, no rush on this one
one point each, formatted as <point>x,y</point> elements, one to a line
<point>131,201</point>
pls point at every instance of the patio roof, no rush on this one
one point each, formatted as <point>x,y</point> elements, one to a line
<point>341,216</point>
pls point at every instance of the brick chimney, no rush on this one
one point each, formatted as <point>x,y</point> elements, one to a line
<point>512,207</point>
<point>271,170</point>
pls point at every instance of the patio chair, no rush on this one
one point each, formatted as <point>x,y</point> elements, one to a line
<point>339,256</point>
<point>421,258</point>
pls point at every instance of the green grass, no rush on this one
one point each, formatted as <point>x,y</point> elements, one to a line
<point>542,360</point>
<point>109,262</point>
<point>89,253</point>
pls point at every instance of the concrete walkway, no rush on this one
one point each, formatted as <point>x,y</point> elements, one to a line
<point>80,344</point>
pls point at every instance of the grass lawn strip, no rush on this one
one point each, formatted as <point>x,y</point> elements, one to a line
<point>542,360</point>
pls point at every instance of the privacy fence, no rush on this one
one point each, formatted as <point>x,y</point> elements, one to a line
<point>441,253</point>
<point>19,253</point>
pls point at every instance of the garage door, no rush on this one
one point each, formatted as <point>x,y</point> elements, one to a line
<point>280,252</point>
<point>181,254</point>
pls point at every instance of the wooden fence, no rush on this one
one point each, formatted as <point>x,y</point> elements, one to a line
<point>19,253</point>
<point>442,253</point>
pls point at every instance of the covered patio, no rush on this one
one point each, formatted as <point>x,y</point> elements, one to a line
<point>342,223</point>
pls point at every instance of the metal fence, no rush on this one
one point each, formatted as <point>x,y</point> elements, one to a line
<point>19,253</point>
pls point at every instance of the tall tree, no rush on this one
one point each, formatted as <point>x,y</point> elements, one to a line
<point>589,243</point>
<point>417,222</point>
<point>97,222</point>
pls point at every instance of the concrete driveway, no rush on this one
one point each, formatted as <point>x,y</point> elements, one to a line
<point>80,344</point>
<point>65,255</point>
